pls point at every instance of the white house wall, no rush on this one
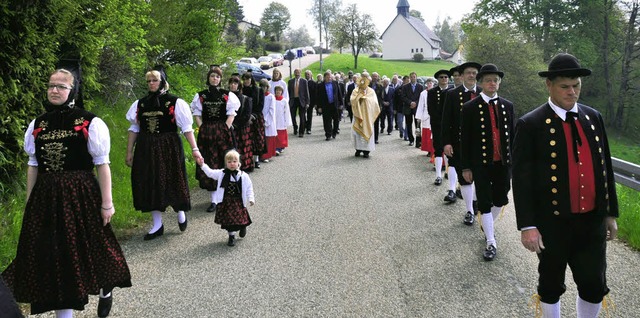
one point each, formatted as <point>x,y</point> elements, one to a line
<point>400,37</point>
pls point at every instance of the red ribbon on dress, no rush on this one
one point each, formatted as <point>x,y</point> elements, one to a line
<point>83,127</point>
<point>36,132</point>
<point>226,98</point>
<point>172,113</point>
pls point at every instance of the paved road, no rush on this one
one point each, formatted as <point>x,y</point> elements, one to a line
<point>297,63</point>
<point>339,236</point>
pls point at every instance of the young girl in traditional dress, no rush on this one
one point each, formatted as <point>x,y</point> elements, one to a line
<point>235,193</point>
<point>283,119</point>
<point>269,113</point>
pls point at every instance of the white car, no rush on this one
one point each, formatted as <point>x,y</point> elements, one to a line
<point>250,60</point>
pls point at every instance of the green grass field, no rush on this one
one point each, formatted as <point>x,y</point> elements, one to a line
<point>127,221</point>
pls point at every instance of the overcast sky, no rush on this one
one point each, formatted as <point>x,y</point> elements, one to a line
<point>382,11</point>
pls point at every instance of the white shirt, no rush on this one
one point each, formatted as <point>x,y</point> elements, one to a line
<point>233,104</point>
<point>247,186</point>
<point>183,116</point>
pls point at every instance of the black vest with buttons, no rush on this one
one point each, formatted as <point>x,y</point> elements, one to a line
<point>61,140</point>
<point>214,106</point>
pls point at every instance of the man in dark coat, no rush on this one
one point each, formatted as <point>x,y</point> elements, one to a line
<point>313,99</point>
<point>376,85</point>
<point>388,93</point>
<point>351,85</point>
<point>435,102</point>
<point>486,137</point>
<point>451,120</point>
<point>298,101</point>
<point>564,190</point>
<point>410,96</point>
<point>328,104</point>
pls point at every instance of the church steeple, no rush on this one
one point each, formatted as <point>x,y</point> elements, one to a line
<point>403,8</point>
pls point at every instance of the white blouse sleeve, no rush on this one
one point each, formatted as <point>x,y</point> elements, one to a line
<point>184,119</point>
<point>233,104</point>
<point>196,105</point>
<point>99,142</point>
<point>132,115</point>
<point>30,145</point>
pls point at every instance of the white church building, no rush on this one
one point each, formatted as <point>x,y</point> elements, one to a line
<point>406,36</point>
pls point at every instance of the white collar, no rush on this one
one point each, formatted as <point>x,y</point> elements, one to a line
<point>560,111</point>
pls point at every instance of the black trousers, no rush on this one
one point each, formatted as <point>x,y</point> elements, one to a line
<point>492,185</point>
<point>309,118</point>
<point>302,112</point>
<point>579,241</point>
<point>330,120</point>
<point>386,117</point>
<point>408,122</point>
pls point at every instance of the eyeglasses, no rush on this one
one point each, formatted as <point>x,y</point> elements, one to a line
<point>152,81</point>
<point>60,87</point>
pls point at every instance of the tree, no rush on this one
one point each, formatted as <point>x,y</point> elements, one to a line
<point>275,19</point>
<point>356,30</point>
<point>446,33</point>
<point>330,10</point>
<point>416,14</point>
<point>299,37</point>
<point>233,34</point>
<point>253,43</point>
<point>631,49</point>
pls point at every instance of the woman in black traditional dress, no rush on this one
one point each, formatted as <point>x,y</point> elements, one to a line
<point>214,110</point>
<point>258,141</point>
<point>67,249</point>
<point>242,125</point>
<point>155,153</point>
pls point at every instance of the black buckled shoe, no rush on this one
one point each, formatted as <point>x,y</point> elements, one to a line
<point>438,181</point>
<point>104,306</point>
<point>366,154</point>
<point>151,236</point>
<point>490,253</point>
<point>469,218</point>
<point>243,232</point>
<point>232,240</point>
<point>182,226</point>
<point>358,153</point>
<point>211,208</point>
<point>459,194</point>
<point>450,197</point>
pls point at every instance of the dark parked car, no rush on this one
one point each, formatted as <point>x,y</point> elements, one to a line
<point>258,74</point>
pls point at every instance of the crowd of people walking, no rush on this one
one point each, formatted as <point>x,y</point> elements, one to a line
<point>557,155</point>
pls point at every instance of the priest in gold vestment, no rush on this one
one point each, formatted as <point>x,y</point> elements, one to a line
<point>365,111</point>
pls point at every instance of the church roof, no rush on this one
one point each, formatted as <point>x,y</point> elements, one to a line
<point>402,3</point>
<point>419,26</point>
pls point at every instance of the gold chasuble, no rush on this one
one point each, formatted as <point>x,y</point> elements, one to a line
<point>364,104</point>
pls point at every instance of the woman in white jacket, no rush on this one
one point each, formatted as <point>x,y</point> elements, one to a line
<point>423,126</point>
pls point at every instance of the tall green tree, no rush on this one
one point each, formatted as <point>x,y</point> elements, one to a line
<point>323,13</point>
<point>416,14</point>
<point>233,34</point>
<point>356,30</point>
<point>446,33</point>
<point>275,19</point>
<point>298,37</point>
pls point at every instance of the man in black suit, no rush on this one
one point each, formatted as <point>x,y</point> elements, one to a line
<point>313,99</point>
<point>486,136</point>
<point>328,103</point>
<point>451,120</point>
<point>564,190</point>
<point>298,101</point>
<point>388,93</point>
<point>435,101</point>
<point>351,85</point>
<point>410,96</point>
<point>377,88</point>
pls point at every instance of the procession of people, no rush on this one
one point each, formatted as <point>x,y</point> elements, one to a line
<point>557,155</point>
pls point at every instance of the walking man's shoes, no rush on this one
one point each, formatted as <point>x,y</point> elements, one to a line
<point>211,208</point>
<point>450,197</point>
<point>469,218</point>
<point>489,253</point>
<point>438,181</point>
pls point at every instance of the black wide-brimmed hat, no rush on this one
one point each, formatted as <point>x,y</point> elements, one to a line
<point>463,66</point>
<point>564,64</point>
<point>453,70</point>
<point>442,72</point>
<point>489,69</point>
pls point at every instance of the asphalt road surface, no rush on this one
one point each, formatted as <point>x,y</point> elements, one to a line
<point>338,236</point>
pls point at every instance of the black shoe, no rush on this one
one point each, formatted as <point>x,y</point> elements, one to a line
<point>490,253</point>
<point>295,131</point>
<point>357,153</point>
<point>211,208</point>
<point>450,197</point>
<point>308,132</point>
<point>410,143</point>
<point>334,135</point>
<point>438,181</point>
<point>389,133</point>
<point>366,154</point>
<point>401,136</point>
<point>376,142</point>
<point>257,165</point>
<point>459,193</point>
<point>328,138</point>
<point>182,226</point>
<point>243,232</point>
<point>469,218</point>
<point>446,176</point>
<point>300,136</point>
<point>232,241</point>
<point>151,236</point>
<point>382,130</point>
<point>418,145</point>
<point>104,306</point>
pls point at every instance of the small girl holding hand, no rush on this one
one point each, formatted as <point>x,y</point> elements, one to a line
<point>235,193</point>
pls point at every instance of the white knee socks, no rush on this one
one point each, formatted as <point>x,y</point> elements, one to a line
<point>550,310</point>
<point>439,167</point>
<point>467,195</point>
<point>586,309</point>
<point>64,313</point>
<point>212,193</point>
<point>487,226</point>
<point>157,221</point>
<point>495,211</point>
<point>181,217</point>
<point>453,179</point>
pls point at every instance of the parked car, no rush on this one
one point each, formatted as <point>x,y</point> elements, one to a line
<point>278,59</point>
<point>250,60</point>
<point>257,73</point>
<point>266,62</point>
<point>309,50</point>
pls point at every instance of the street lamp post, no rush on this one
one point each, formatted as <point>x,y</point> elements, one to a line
<point>320,28</point>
